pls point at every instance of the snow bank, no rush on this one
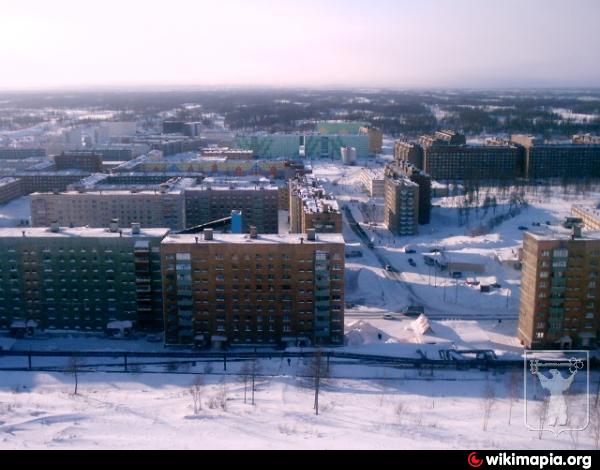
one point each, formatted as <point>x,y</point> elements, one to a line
<point>360,333</point>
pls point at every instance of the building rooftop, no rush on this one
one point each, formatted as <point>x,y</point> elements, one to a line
<point>557,232</point>
<point>79,232</point>
<point>261,239</point>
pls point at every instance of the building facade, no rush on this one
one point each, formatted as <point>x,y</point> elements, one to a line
<point>560,290</point>
<point>213,200</point>
<point>81,279</point>
<point>90,162</point>
<point>253,289</point>
<point>401,211</point>
<point>311,207</point>
<point>372,179</point>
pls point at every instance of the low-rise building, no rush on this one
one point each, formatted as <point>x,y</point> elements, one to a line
<point>10,188</point>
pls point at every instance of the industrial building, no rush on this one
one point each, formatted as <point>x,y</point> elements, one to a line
<point>253,289</point>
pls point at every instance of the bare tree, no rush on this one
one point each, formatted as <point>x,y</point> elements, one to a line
<point>73,367</point>
<point>196,393</point>
<point>255,369</point>
<point>315,371</point>
<point>245,374</point>
<point>489,399</point>
<point>595,425</point>
<point>514,381</point>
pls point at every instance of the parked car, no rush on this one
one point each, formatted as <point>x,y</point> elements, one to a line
<point>522,227</point>
<point>388,316</point>
<point>409,251</point>
<point>483,288</point>
<point>389,268</point>
<point>496,285</point>
<point>411,262</point>
<point>472,283</point>
<point>456,274</point>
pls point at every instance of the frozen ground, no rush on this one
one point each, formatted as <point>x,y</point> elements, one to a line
<point>39,410</point>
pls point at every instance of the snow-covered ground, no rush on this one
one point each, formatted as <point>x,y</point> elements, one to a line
<point>15,212</point>
<point>396,410</point>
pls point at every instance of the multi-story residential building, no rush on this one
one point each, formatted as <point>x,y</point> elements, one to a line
<point>164,207</point>
<point>43,181</point>
<point>560,289</point>
<point>215,198</point>
<point>372,180</point>
<point>590,216</point>
<point>472,162</point>
<point>10,188</point>
<point>408,152</point>
<point>10,153</point>
<point>551,160</point>
<point>401,212</point>
<point>253,289</point>
<point>311,207</point>
<point>80,278</point>
<point>424,181</point>
<point>88,161</point>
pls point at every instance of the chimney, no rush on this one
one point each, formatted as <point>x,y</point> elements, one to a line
<point>135,228</point>
<point>23,232</point>
<point>114,225</point>
<point>253,232</point>
<point>54,227</point>
<point>208,233</point>
<point>576,231</point>
<point>311,234</point>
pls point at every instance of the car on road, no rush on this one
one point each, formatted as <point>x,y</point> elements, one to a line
<point>522,227</point>
<point>409,251</point>
<point>412,262</point>
<point>472,283</point>
<point>412,310</point>
<point>388,316</point>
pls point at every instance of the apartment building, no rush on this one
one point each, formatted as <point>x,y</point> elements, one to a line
<point>43,181</point>
<point>311,207</point>
<point>560,289</point>
<point>81,278</point>
<point>401,196</point>
<point>227,289</point>
<point>558,160</point>
<point>10,188</point>
<point>89,161</point>
<point>215,198</point>
<point>372,179</point>
<point>423,180</point>
<point>590,216</point>
<point>152,208</point>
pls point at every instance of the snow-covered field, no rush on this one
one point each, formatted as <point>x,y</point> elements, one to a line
<point>126,411</point>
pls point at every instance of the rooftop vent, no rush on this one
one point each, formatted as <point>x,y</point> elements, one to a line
<point>208,233</point>
<point>135,228</point>
<point>54,227</point>
<point>253,232</point>
<point>311,234</point>
<point>576,231</point>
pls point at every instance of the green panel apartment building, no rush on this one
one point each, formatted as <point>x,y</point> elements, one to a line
<point>81,278</point>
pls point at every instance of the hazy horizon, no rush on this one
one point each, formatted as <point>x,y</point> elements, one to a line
<point>391,44</point>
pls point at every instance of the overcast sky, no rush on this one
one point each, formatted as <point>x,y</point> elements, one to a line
<point>392,43</point>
